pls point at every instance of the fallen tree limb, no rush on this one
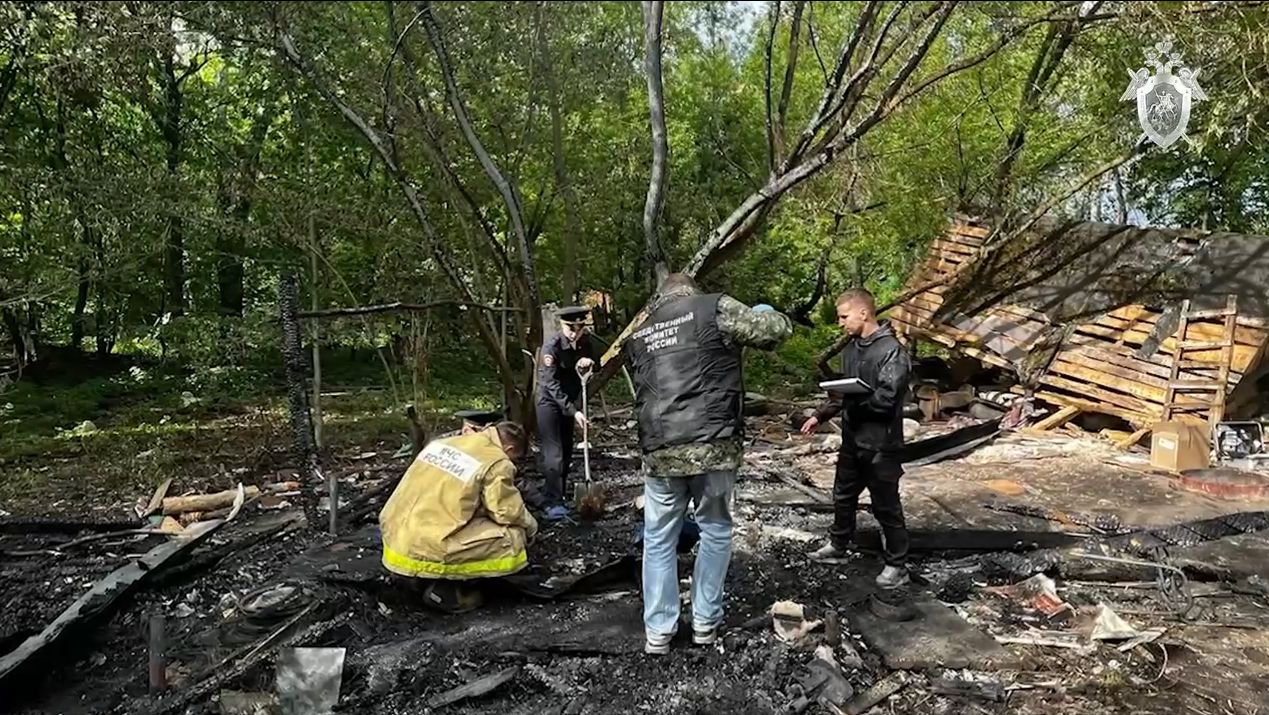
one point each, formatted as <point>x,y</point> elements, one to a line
<point>205,502</point>
<point>399,307</point>
<point>173,506</point>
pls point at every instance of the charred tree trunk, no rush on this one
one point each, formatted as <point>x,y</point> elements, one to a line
<point>297,396</point>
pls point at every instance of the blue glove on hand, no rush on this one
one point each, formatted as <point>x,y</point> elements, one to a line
<point>763,308</point>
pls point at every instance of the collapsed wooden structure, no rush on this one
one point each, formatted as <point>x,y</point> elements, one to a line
<point>1145,324</point>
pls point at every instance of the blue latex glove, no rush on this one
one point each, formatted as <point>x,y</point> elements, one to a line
<point>763,308</point>
<point>556,513</point>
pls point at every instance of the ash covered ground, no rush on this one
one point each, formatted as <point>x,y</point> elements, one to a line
<point>582,653</point>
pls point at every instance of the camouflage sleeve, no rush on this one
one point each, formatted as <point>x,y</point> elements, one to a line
<point>747,328</point>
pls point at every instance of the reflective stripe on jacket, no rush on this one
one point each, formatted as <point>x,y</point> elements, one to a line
<point>456,513</point>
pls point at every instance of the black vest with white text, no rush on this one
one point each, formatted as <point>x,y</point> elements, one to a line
<point>688,384</point>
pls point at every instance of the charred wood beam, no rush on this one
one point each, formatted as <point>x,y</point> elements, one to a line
<point>303,446</point>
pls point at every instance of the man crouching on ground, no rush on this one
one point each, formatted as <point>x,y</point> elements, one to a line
<point>457,516</point>
<point>872,435</point>
<point>689,397</point>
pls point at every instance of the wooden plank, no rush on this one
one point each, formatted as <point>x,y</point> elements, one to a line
<point>954,334</point>
<point>1127,443</point>
<point>1098,350</point>
<point>1200,330</point>
<point>987,357</point>
<point>1243,354</point>
<point>1109,382</point>
<point>1114,398</point>
<point>967,241</point>
<point>957,336</point>
<point>1215,313</point>
<point>937,333</point>
<point>1057,419</point>
<point>1188,345</point>
<point>1025,312</point>
<point>1133,417</point>
<point>105,592</point>
<point>1111,371</point>
<point>1201,385</point>
<point>938,268</point>
<point>921,301</point>
<point>971,229</point>
<point>950,248</point>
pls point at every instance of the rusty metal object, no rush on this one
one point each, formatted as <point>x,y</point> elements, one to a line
<point>1226,483</point>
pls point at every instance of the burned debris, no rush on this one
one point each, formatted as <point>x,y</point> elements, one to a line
<point>1049,598</point>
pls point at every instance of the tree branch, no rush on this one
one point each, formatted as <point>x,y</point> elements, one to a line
<point>484,327</point>
<point>867,16</point>
<point>434,149</point>
<point>971,62</point>
<point>815,43</point>
<point>399,307</point>
<point>1056,41</point>
<point>773,22</point>
<point>790,67</point>
<point>653,12</point>
<point>509,198</point>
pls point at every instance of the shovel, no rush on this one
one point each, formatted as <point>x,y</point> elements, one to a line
<point>590,501</point>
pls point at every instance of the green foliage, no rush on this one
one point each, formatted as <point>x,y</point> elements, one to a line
<point>125,127</point>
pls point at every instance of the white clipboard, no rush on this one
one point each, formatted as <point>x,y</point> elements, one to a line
<point>847,386</point>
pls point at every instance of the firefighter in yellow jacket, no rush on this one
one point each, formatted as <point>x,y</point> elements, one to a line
<point>457,515</point>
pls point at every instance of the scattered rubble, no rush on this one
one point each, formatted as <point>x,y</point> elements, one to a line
<point>1025,599</point>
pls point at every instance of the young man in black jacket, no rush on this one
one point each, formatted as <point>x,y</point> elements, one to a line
<point>872,434</point>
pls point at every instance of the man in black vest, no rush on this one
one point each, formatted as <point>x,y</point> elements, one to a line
<point>689,396</point>
<point>565,357</point>
<point>872,435</point>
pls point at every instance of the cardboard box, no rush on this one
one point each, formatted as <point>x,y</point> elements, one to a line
<point>1179,446</point>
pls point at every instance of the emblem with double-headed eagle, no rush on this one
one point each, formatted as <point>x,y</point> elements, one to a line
<point>1164,98</point>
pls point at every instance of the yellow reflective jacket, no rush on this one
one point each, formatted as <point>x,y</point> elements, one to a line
<point>456,513</point>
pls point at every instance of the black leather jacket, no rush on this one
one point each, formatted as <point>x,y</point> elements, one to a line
<point>873,422</point>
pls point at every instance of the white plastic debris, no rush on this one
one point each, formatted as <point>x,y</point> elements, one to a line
<point>788,619</point>
<point>1110,627</point>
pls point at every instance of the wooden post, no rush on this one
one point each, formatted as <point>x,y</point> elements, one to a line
<point>317,340</point>
<point>158,659</point>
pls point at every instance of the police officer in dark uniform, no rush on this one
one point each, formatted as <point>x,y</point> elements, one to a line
<point>559,401</point>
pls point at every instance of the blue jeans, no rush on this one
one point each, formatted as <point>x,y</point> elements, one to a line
<point>664,509</point>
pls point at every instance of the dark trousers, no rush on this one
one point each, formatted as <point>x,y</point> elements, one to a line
<point>879,473</point>
<point>555,435</point>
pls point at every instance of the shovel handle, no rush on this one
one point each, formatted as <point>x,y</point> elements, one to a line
<point>585,375</point>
